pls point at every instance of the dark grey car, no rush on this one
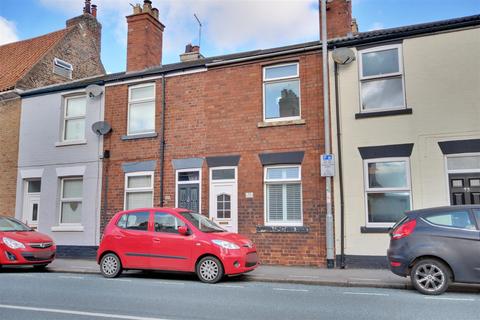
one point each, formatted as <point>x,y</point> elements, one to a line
<point>437,246</point>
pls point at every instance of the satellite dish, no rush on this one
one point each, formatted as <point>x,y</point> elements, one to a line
<point>101,127</point>
<point>94,90</point>
<point>343,55</point>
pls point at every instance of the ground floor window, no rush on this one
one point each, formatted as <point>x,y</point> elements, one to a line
<point>283,195</point>
<point>138,190</point>
<point>71,200</point>
<point>387,190</point>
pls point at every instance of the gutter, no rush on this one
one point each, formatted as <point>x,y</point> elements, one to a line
<point>261,56</point>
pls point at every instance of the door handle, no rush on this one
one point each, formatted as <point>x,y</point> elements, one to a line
<point>117,237</point>
<point>156,240</point>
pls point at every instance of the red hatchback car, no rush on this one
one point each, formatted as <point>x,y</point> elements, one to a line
<point>21,245</point>
<point>173,240</point>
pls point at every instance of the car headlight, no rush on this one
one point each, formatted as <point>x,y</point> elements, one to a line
<point>225,244</point>
<point>13,244</point>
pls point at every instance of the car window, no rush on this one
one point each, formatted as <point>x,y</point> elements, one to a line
<point>476,212</point>
<point>457,219</point>
<point>166,222</point>
<point>134,221</point>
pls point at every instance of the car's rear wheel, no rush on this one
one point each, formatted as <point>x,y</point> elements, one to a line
<point>110,265</point>
<point>210,270</point>
<point>430,276</point>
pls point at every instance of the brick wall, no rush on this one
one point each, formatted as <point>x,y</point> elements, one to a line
<point>216,113</point>
<point>9,124</point>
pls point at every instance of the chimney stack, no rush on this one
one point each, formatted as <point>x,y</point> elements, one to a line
<point>145,37</point>
<point>339,18</point>
<point>89,23</point>
<point>191,53</point>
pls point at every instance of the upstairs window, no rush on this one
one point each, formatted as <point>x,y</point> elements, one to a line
<point>74,119</point>
<point>381,79</point>
<point>141,109</point>
<point>62,68</point>
<point>281,92</point>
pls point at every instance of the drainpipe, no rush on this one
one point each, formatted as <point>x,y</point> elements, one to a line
<point>326,123</point>
<point>162,143</point>
<point>340,171</point>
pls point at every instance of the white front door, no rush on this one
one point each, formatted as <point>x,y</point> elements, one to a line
<point>224,198</point>
<point>31,202</point>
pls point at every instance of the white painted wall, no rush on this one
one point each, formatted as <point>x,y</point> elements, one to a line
<point>442,80</point>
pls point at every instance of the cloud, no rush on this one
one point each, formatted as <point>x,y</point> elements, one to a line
<point>8,31</point>
<point>376,26</point>
<point>228,25</point>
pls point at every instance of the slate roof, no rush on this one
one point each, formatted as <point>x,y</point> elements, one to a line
<point>352,40</point>
<point>18,58</point>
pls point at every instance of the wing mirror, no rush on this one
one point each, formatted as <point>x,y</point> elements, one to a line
<point>183,230</point>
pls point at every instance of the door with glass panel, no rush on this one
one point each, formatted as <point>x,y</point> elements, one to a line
<point>223,197</point>
<point>188,190</point>
<point>464,188</point>
<point>31,202</point>
<point>464,178</point>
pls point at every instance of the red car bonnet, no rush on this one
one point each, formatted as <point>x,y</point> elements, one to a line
<point>26,236</point>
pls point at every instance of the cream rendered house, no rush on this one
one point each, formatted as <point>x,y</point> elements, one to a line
<point>409,128</point>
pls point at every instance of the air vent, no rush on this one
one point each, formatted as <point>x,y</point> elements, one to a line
<point>62,68</point>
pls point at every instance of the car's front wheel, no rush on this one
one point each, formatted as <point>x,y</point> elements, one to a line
<point>430,276</point>
<point>110,265</point>
<point>210,270</point>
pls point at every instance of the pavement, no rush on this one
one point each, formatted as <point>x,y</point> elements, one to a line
<point>368,278</point>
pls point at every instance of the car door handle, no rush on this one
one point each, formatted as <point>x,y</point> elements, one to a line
<point>118,237</point>
<point>156,240</point>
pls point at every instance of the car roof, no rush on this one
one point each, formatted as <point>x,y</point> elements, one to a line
<point>441,209</point>
<point>178,210</point>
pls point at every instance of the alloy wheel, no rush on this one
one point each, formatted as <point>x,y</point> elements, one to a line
<point>430,277</point>
<point>110,265</point>
<point>209,270</point>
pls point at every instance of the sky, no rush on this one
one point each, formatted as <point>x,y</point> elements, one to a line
<point>228,26</point>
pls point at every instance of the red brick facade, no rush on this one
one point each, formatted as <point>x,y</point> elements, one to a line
<point>217,112</point>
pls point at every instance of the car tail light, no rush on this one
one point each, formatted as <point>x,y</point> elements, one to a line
<point>404,230</point>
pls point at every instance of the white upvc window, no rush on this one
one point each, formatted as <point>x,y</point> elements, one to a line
<point>71,197</point>
<point>283,196</point>
<point>141,109</point>
<point>74,119</point>
<point>281,92</point>
<point>387,190</point>
<point>382,86</point>
<point>138,190</point>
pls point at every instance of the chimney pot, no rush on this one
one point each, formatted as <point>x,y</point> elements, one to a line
<point>147,6</point>
<point>86,9</point>
<point>188,48</point>
<point>94,10</point>
<point>192,53</point>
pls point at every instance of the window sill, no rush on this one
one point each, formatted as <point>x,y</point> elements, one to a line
<point>383,113</point>
<point>374,230</point>
<point>282,229</point>
<point>70,143</point>
<point>140,136</point>
<point>76,228</point>
<point>279,123</point>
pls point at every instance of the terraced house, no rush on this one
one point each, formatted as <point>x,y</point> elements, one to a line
<point>235,137</point>
<point>61,56</point>
<point>406,114</point>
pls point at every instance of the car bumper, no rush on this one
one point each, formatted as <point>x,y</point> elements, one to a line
<point>27,256</point>
<point>398,264</point>
<point>239,261</point>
